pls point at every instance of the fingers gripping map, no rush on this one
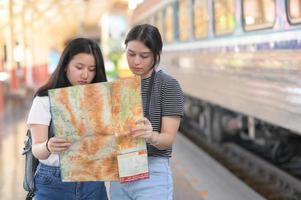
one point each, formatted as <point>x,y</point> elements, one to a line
<point>97,118</point>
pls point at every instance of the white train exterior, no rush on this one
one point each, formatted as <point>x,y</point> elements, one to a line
<point>238,62</point>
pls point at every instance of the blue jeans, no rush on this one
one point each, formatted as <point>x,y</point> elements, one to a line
<point>48,186</point>
<point>158,186</point>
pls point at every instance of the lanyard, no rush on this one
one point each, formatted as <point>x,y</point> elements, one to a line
<point>149,92</point>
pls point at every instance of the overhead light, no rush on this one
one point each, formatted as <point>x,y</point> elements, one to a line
<point>50,13</point>
<point>132,4</point>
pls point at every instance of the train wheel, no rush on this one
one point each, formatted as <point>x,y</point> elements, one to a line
<point>204,121</point>
<point>217,133</point>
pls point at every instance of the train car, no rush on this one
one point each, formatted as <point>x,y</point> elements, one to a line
<point>239,64</point>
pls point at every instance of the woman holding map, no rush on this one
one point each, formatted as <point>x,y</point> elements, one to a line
<point>81,63</point>
<point>163,100</point>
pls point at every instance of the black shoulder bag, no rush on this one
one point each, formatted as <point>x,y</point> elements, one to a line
<point>31,163</point>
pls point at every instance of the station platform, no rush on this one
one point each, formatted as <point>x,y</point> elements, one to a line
<point>196,175</point>
<point>199,177</point>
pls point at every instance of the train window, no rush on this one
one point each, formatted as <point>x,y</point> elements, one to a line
<point>224,16</point>
<point>200,16</point>
<point>159,22</point>
<point>294,11</point>
<point>258,14</point>
<point>183,20</point>
<point>169,26</point>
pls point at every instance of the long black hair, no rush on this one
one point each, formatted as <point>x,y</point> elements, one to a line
<point>58,78</point>
<point>150,36</point>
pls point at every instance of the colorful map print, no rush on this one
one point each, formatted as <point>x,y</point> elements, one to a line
<point>96,118</point>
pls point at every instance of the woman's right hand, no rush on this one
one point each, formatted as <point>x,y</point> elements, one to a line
<point>58,144</point>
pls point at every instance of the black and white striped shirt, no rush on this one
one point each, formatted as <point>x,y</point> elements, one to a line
<point>167,99</point>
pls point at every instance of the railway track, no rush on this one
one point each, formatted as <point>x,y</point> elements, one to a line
<point>265,178</point>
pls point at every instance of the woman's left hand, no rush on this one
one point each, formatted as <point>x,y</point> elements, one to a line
<point>143,130</point>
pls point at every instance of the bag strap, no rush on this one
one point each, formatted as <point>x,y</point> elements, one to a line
<point>50,129</point>
<point>29,195</point>
<point>149,93</point>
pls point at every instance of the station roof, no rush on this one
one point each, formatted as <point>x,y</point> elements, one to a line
<point>59,18</point>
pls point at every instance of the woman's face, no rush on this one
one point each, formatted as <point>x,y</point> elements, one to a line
<point>140,58</point>
<point>81,69</point>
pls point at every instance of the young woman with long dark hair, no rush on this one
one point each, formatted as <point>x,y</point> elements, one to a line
<point>80,63</point>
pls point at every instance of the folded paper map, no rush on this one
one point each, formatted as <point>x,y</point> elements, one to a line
<point>97,118</point>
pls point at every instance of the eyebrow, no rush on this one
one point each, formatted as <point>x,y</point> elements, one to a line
<point>145,52</point>
<point>82,64</point>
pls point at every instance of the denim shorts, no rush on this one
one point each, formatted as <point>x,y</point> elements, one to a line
<point>48,186</point>
<point>158,186</point>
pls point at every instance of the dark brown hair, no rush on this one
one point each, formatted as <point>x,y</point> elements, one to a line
<point>150,36</point>
<point>58,78</point>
